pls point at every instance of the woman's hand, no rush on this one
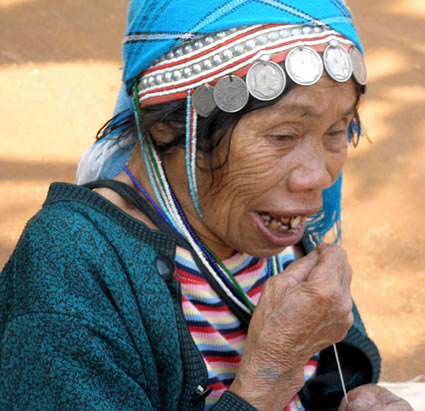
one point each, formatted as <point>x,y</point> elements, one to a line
<point>371,397</point>
<point>300,312</point>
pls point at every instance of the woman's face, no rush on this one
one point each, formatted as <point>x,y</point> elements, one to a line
<point>281,159</point>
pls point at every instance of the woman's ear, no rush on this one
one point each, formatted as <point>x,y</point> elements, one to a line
<point>164,132</point>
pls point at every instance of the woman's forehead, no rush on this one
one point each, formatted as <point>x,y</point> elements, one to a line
<point>315,101</point>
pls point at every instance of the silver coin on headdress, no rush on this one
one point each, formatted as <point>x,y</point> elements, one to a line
<point>203,100</point>
<point>337,63</point>
<point>266,80</point>
<point>304,66</point>
<point>231,94</point>
<point>359,66</point>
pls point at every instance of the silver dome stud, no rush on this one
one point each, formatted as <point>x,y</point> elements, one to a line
<point>284,33</point>
<point>196,68</point>
<point>217,60</point>
<point>227,54</point>
<point>188,49</point>
<point>260,40</point>
<point>198,45</point>
<point>207,65</point>
<point>238,49</point>
<point>177,75</point>
<point>250,45</point>
<point>273,36</point>
<point>296,31</point>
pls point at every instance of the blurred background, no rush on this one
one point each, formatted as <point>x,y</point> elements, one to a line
<point>59,76</point>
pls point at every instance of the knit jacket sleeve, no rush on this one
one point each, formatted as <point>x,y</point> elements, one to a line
<point>66,341</point>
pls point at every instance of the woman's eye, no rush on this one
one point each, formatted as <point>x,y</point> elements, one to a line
<point>336,137</point>
<point>284,138</point>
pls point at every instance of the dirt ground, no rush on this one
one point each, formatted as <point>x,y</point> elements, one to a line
<point>59,75</point>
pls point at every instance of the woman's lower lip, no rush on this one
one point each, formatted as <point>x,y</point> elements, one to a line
<point>279,239</point>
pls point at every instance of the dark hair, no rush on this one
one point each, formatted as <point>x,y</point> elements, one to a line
<point>211,130</point>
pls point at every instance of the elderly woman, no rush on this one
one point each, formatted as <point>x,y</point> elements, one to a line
<point>196,277</point>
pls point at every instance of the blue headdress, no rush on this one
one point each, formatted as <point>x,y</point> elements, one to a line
<point>155,27</point>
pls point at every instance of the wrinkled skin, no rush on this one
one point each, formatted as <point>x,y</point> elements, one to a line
<point>299,313</point>
<point>373,398</point>
<point>281,159</point>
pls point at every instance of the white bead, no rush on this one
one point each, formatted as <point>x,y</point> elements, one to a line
<point>151,81</point>
<point>221,35</point>
<point>145,82</point>
<point>168,76</point>
<point>333,42</point>
<point>307,29</point>
<point>317,29</point>
<point>158,79</point>
<point>265,57</point>
<point>170,55</point>
<point>233,29</point>
<point>209,40</point>
<point>178,52</point>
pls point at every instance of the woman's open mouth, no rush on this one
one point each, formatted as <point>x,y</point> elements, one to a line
<point>282,224</point>
<point>280,231</point>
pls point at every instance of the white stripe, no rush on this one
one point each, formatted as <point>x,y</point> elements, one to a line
<point>293,11</point>
<point>218,14</point>
<point>158,36</point>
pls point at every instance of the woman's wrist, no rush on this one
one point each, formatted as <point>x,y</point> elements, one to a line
<point>266,390</point>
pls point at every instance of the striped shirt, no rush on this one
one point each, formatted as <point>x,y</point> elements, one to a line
<point>216,331</point>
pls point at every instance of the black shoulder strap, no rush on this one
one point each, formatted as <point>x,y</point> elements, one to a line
<point>140,203</point>
<point>129,194</point>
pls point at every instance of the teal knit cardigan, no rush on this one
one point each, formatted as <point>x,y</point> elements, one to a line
<point>87,322</point>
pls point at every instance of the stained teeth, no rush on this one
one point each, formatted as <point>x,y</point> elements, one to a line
<point>290,224</point>
<point>295,222</point>
<point>266,218</point>
<point>274,225</point>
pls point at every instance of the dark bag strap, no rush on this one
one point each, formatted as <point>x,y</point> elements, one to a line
<point>133,197</point>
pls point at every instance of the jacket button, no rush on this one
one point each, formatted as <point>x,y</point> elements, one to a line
<point>201,393</point>
<point>166,268</point>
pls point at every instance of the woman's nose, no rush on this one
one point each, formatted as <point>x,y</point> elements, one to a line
<point>311,172</point>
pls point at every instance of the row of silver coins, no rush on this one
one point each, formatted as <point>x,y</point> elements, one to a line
<point>267,80</point>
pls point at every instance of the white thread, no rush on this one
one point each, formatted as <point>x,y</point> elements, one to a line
<point>341,376</point>
<point>340,373</point>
